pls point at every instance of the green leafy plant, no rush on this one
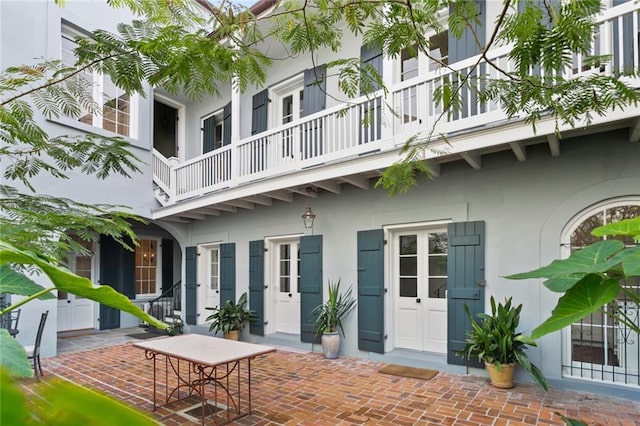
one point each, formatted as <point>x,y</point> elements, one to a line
<point>591,277</point>
<point>494,339</point>
<point>332,312</point>
<point>231,316</point>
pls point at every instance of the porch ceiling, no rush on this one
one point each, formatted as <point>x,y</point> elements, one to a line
<point>362,172</point>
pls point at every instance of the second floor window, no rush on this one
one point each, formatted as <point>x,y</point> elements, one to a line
<point>114,109</point>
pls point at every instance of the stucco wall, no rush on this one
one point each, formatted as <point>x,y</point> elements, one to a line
<point>525,206</point>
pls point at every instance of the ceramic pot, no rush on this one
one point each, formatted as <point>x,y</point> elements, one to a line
<point>330,345</point>
<point>501,379</point>
<point>232,335</point>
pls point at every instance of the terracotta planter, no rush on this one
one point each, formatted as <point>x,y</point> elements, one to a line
<point>331,345</point>
<point>232,335</point>
<point>502,379</point>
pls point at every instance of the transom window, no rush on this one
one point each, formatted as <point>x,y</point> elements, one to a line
<point>114,109</point>
<point>597,347</point>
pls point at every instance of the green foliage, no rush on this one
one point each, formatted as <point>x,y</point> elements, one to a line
<point>231,316</point>
<point>63,280</point>
<point>626,227</point>
<point>12,282</point>
<point>13,357</point>
<point>63,403</point>
<point>337,307</point>
<point>591,278</point>
<point>494,339</point>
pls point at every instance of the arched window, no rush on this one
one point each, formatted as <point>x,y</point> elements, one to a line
<point>598,347</point>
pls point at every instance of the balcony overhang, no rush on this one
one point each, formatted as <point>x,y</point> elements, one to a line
<point>361,171</point>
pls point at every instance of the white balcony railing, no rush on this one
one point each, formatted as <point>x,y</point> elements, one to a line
<point>370,124</point>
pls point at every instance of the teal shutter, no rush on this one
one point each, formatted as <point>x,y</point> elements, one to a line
<point>310,285</point>
<point>227,272</point>
<point>128,274</point>
<point>465,282</point>
<point>208,134</point>
<point>623,61</point>
<point>371,111</point>
<point>167,265</point>
<point>226,124</point>
<point>191,284</point>
<point>371,291</point>
<point>256,285</point>
<point>463,48</point>
<point>313,100</point>
<point>259,112</point>
<point>110,270</point>
<point>315,94</point>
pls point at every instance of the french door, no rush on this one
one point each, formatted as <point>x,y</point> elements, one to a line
<point>419,282</point>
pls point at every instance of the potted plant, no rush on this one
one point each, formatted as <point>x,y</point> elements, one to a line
<point>330,316</point>
<point>494,340</point>
<point>231,318</point>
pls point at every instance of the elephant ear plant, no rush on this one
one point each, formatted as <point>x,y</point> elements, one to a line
<point>494,340</point>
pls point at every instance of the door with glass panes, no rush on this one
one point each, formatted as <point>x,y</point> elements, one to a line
<point>419,282</point>
<point>287,279</point>
<point>76,312</point>
<point>209,289</point>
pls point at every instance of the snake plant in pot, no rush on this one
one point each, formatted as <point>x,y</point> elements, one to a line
<point>494,340</point>
<point>330,314</point>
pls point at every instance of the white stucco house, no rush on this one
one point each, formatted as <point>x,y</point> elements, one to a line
<point>228,178</point>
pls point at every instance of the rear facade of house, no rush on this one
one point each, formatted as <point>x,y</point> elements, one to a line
<point>229,177</point>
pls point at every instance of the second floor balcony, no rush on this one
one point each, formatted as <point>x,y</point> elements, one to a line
<point>356,140</point>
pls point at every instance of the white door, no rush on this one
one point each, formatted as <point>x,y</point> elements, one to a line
<point>75,312</point>
<point>288,98</point>
<point>419,284</point>
<point>209,282</point>
<point>287,286</point>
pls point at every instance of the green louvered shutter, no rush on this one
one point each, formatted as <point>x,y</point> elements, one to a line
<point>208,134</point>
<point>259,114</point>
<point>110,270</point>
<point>227,272</point>
<point>226,124</point>
<point>310,285</point>
<point>465,282</point>
<point>466,47</point>
<point>313,100</point>
<point>371,111</point>
<point>128,273</point>
<point>256,285</point>
<point>371,290</point>
<point>191,284</point>
<point>167,266</point>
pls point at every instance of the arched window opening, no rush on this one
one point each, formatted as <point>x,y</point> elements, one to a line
<point>598,347</point>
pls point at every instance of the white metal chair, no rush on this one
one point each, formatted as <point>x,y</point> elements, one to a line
<point>33,351</point>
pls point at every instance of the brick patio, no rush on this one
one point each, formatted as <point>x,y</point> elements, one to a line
<point>304,388</point>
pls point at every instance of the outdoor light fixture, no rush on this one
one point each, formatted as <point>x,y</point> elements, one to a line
<point>308,217</point>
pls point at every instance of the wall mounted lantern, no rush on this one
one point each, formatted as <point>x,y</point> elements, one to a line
<point>308,217</point>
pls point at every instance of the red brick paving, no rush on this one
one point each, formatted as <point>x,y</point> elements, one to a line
<point>306,389</point>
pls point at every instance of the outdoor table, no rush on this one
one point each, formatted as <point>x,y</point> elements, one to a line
<point>192,361</point>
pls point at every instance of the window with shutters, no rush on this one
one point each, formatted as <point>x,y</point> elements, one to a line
<point>114,110</point>
<point>212,131</point>
<point>598,347</point>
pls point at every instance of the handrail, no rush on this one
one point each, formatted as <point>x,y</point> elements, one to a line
<point>166,292</point>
